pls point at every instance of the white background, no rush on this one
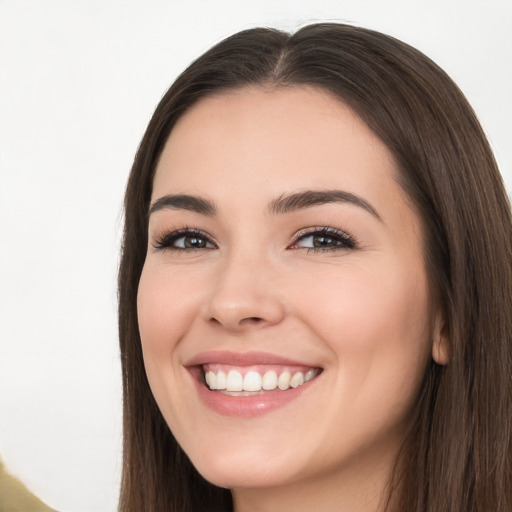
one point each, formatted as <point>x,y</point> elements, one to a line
<point>78,82</point>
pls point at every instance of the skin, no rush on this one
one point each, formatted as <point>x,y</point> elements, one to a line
<point>361,313</point>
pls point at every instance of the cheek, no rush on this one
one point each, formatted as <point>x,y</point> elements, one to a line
<point>375,323</point>
<point>166,309</point>
<point>166,306</point>
<point>152,303</point>
<point>377,327</point>
<point>358,294</point>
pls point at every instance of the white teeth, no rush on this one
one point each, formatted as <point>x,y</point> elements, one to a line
<point>221,380</point>
<point>252,381</point>
<point>234,381</point>
<point>211,379</point>
<point>309,375</point>
<point>269,381</point>
<point>297,379</point>
<point>284,381</point>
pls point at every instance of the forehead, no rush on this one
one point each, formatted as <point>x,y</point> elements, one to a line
<point>257,143</point>
<point>290,131</point>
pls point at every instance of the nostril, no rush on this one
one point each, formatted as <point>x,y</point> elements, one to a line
<point>251,320</point>
<point>237,324</point>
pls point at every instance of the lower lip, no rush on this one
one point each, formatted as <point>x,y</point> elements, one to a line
<point>249,406</point>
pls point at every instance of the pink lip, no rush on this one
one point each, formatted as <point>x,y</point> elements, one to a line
<point>241,359</point>
<point>244,406</point>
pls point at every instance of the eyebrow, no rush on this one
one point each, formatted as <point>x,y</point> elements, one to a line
<point>184,202</point>
<point>283,204</point>
<point>310,198</point>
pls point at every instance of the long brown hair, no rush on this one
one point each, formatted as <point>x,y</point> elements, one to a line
<point>458,454</point>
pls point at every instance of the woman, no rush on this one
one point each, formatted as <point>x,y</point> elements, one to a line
<point>315,286</point>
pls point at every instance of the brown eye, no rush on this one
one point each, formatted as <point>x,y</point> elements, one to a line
<point>324,239</point>
<point>184,240</point>
<point>191,242</point>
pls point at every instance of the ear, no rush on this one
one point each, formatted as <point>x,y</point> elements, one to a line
<point>440,342</point>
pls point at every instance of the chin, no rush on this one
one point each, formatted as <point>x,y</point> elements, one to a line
<point>231,478</point>
<point>243,472</point>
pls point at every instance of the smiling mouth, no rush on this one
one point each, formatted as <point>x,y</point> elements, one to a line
<point>254,380</point>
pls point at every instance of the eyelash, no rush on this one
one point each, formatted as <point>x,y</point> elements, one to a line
<point>342,239</point>
<point>166,241</point>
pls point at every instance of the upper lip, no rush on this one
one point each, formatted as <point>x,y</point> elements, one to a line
<point>243,359</point>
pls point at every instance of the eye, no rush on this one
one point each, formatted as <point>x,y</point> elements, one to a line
<point>323,239</point>
<point>184,240</point>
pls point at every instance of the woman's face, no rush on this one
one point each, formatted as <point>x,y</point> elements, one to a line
<point>283,254</point>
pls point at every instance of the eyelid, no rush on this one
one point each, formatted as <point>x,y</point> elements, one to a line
<point>349,241</point>
<point>164,241</point>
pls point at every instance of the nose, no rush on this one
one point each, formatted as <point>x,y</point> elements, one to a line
<point>245,294</point>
